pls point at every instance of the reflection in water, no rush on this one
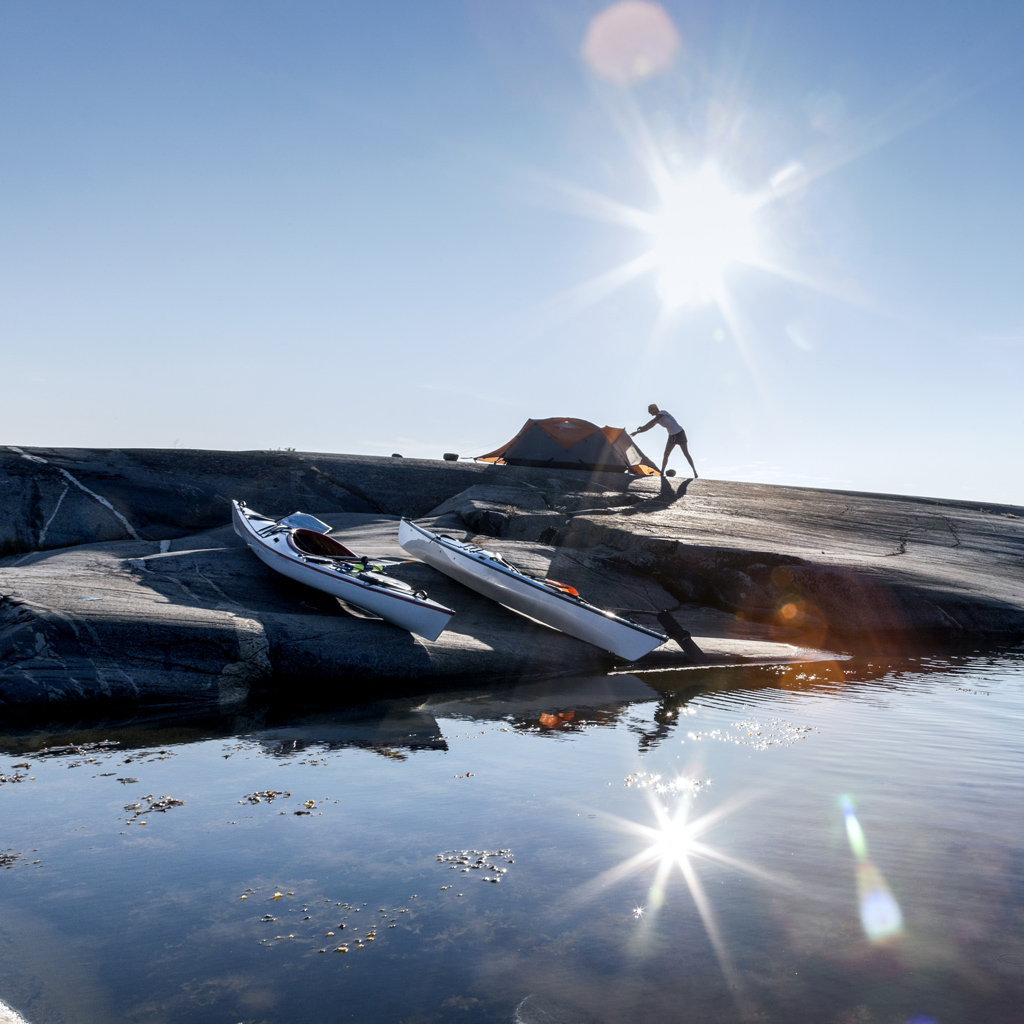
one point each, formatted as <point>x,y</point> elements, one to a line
<point>388,729</point>
<point>665,718</point>
<point>879,912</point>
<point>409,722</point>
<point>298,870</point>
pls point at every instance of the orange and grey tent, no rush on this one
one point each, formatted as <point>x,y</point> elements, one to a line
<point>562,443</point>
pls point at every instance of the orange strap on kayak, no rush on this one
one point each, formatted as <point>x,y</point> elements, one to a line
<point>562,588</point>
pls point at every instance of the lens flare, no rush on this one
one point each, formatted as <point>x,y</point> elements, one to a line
<point>858,843</point>
<point>630,41</point>
<point>880,914</point>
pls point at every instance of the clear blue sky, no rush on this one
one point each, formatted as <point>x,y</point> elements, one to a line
<point>363,227</point>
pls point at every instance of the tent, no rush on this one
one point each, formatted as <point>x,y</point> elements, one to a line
<point>563,443</point>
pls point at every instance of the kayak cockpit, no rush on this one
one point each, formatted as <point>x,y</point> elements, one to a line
<point>311,543</point>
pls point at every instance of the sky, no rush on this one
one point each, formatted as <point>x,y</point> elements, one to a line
<point>407,227</point>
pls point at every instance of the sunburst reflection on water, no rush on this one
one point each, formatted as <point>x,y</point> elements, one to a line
<point>676,841</point>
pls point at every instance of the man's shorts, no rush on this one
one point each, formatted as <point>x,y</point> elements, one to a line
<point>679,438</point>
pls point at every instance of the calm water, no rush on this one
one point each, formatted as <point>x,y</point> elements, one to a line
<point>842,844</point>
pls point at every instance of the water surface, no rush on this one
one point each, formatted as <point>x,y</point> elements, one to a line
<point>840,844</point>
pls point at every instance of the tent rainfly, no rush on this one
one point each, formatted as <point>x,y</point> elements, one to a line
<point>563,443</point>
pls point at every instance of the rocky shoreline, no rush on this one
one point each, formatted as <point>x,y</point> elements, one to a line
<point>121,580</point>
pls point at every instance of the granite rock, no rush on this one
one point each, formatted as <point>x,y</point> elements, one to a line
<point>201,618</point>
<point>121,581</point>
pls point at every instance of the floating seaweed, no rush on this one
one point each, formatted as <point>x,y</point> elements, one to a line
<point>264,796</point>
<point>477,860</point>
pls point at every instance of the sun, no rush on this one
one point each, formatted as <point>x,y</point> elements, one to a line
<point>702,229</point>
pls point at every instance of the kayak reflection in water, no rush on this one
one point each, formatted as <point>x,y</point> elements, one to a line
<point>676,435</point>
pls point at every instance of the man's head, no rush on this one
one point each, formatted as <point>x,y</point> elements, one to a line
<point>653,409</point>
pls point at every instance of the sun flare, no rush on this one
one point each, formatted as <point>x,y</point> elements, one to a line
<point>675,842</point>
<point>702,229</point>
<point>671,842</point>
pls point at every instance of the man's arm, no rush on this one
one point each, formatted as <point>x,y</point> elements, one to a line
<point>646,426</point>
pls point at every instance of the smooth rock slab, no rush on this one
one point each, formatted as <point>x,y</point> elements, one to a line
<point>203,619</point>
<point>824,562</point>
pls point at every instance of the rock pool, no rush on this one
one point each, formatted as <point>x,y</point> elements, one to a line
<point>840,843</point>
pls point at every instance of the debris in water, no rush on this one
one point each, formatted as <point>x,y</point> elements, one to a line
<point>477,860</point>
<point>154,805</point>
<point>263,796</point>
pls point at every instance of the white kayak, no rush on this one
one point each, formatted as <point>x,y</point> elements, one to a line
<point>297,547</point>
<point>546,601</point>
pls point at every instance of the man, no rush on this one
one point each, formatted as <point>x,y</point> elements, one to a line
<point>676,435</point>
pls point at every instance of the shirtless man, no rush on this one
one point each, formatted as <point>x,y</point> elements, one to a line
<point>676,435</point>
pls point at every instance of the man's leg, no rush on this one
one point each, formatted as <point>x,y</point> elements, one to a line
<point>686,452</point>
<point>668,448</point>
